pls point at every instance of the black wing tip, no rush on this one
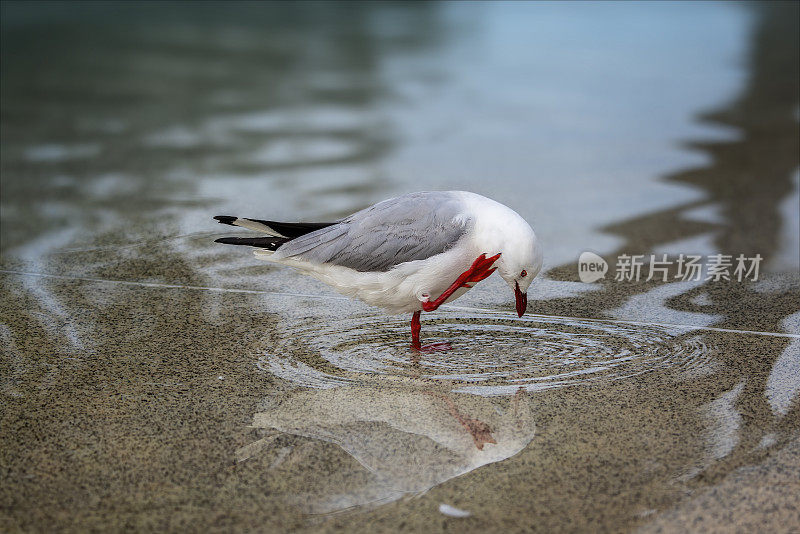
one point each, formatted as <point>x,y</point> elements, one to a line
<point>269,243</point>
<point>288,230</point>
<point>225,219</point>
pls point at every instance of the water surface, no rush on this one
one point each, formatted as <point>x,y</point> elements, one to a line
<point>154,380</point>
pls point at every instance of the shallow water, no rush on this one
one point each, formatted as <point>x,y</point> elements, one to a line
<point>151,379</point>
<point>486,354</point>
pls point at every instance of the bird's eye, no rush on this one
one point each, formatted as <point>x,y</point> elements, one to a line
<point>524,273</point>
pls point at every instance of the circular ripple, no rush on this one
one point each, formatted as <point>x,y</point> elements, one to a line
<point>489,355</point>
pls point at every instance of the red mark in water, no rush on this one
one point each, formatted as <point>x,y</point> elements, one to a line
<point>481,432</point>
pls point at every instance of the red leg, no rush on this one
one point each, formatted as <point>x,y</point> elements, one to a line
<point>415,328</point>
<point>415,343</point>
<point>481,268</point>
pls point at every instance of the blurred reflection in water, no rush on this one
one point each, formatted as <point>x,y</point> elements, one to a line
<point>407,440</point>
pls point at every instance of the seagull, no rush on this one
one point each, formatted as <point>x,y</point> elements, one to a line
<point>410,253</point>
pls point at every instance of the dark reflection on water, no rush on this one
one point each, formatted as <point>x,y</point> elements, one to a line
<point>746,183</point>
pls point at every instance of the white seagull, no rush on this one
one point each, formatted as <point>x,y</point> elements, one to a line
<point>411,253</point>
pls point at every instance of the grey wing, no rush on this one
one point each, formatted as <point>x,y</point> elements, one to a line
<point>407,228</point>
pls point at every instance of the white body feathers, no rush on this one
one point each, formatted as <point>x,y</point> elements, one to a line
<point>490,228</point>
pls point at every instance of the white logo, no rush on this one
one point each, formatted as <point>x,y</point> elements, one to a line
<point>591,267</point>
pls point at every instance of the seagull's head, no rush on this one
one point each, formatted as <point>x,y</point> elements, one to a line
<point>520,261</point>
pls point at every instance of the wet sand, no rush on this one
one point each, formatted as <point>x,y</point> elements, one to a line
<point>152,380</point>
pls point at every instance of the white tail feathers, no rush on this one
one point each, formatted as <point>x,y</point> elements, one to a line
<point>256,227</point>
<point>263,254</point>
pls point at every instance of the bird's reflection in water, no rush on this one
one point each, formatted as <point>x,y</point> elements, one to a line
<point>407,440</point>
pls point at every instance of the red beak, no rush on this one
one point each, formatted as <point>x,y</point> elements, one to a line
<point>522,301</point>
